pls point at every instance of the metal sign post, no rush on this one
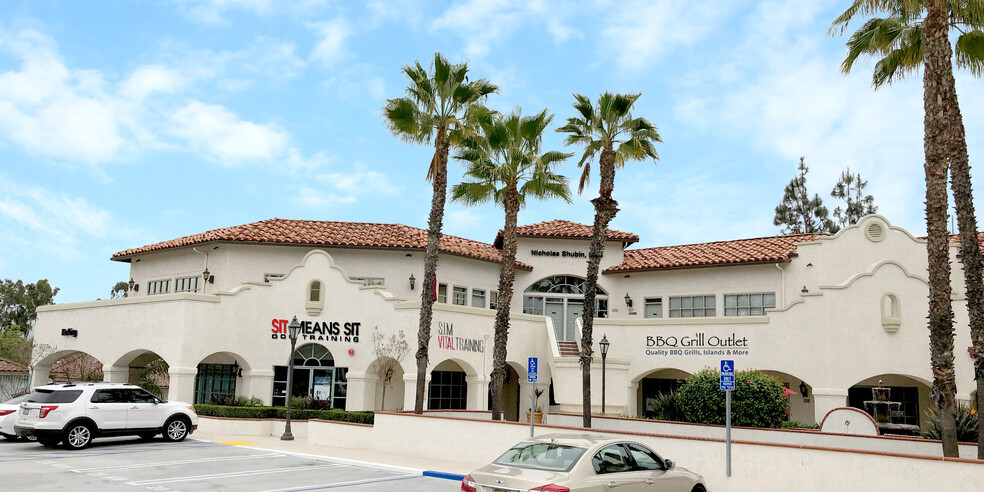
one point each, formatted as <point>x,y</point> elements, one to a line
<point>727,385</point>
<point>531,378</point>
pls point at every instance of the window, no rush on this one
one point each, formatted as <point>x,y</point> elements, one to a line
<point>494,300</point>
<point>159,287</point>
<point>541,456</point>
<point>460,296</point>
<point>644,458</point>
<point>448,391</point>
<point>612,459</point>
<point>186,284</point>
<point>442,293</point>
<point>653,307</point>
<point>107,396</point>
<point>748,304</point>
<point>478,298</point>
<point>214,383</point>
<point>51,396</point>
<point>692,306</point>
<point>138,396</point>
<point>532,305</point>
<point>315,291</point>
<point>370,281</point>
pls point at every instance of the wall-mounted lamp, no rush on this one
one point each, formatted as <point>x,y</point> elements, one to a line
<point>413,281</point>
<point>238,371</point>
<point>133,285</point>
<point>803,390</point>
<point>628,300</point>
<point>208,276</point>
<point>804,290</point>
<point>70,332</point>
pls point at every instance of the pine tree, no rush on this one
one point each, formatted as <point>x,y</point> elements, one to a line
<point>850,188</point>
<point>798,213</point>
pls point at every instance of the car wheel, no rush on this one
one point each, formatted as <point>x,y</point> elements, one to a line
<point>78,436</point>
<point>146,436</point>
<point>699,488</point>
<point>175,429</point>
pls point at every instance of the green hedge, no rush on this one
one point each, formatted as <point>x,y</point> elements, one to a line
<point>757,401</point>
<point>279,413</point>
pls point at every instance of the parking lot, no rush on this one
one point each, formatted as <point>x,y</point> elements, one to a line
<point>131,464</point>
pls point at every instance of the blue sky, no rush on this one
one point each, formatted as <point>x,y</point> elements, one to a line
<point>127,123</point>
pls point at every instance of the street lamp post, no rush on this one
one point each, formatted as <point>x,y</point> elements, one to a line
<point>292,328</point>
<point>604,354</point>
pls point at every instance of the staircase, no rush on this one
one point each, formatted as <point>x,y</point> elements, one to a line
<point>568,349</point>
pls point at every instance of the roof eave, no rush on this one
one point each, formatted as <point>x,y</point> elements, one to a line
<point>688,267</point>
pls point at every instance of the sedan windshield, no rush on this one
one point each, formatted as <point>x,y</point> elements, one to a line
<point>541,456</point>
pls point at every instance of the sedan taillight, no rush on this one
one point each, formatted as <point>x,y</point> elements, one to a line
<point>468,484</point>
<point>6,412</point>
<point>551,488</point>
<point>45,409</point>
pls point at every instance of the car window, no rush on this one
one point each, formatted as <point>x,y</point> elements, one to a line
<point>541,456</point>
<point>611,459</point>
<point>51,396</point>
<point>644,458</point>
<point>107,396</point>
<point>139,396</point>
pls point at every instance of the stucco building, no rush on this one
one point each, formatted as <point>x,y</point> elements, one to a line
<point>829,315</point>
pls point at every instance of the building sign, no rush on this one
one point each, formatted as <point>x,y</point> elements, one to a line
<point>562,254</point>
<point>322,331</point>
<point>697,345</point>
<point>447,340</point>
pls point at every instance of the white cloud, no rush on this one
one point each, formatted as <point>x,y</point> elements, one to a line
<point>150,79</point>
<point>213,11</point>
<point>359,180</point>
<point>330,48</point>
<point>481,24</point>
<point>316,199</point>
<point>224,137</point>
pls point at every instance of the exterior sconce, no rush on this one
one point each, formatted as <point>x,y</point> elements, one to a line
<point>208,276</point>
<point>133,285</point>
<point>628,300</point>
<point>413,281</point>
<point>238,371</point>
<point>803,390</point>
<point>804,290</point>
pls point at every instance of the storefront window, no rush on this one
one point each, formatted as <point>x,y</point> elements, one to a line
<point>314,376</point>
<point>215,383</point>
<point>448,391</point>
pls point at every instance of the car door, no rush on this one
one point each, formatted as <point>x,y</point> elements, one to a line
<point>656,476</point>
<point>615,472</point>
<point>143,410</point>
<point>107,408</point>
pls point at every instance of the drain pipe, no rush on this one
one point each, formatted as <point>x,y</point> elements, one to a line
<point>783,283</point>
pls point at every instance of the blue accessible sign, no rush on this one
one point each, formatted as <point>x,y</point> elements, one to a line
<point>727,375</point>
<point>531,370</point>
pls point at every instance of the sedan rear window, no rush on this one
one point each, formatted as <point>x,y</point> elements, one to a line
<point>541,456</point>
<point>49,396</point>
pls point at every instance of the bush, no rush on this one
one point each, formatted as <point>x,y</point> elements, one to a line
<point>965,418</point>
<point>666,406</point>
<point>236,401</point>
<point>792,424</point>
<point>335,415</point>
<point>757,401</point>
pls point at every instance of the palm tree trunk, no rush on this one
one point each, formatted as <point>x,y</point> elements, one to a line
<point>507,276</point>
<point>605,209</point>
<point>434,223</point>
<point>936,56</point>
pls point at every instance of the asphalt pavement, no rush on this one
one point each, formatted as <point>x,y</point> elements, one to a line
<point>129,464</point>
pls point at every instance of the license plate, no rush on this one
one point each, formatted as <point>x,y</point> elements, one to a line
<point>24,411</point>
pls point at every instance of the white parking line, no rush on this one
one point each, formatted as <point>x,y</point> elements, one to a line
<point>231,474</point>
<point>180,462</point>
<point>342,484</point>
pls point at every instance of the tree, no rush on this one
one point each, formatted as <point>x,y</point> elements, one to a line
<point>800,214</point>
<point>609,130</point>
<point>15,346</point>
<point>916,33</point>
<point>19,301</point>
<point>506,167</point>
<point>850,188</point>
<point>390,352</point>
<point>433,108</point>
<point>119,290</point>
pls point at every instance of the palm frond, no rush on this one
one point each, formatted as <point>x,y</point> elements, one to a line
<point>970,52</point>
<point>900,62</point>
<point>877,37</point>
<point>473,193</point>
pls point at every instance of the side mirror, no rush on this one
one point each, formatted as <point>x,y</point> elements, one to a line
<point>669,464</point>
<point>157,401</point>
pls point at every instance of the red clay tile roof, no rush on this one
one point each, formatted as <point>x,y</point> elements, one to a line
<point>328,233</point>
<point>8,366</point>
<point>741,251</point>
<point>565,229</point>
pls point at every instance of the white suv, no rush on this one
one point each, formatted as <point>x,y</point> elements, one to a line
<point>75,413</point>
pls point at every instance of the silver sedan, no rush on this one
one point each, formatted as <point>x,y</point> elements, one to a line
<point>581,463</point>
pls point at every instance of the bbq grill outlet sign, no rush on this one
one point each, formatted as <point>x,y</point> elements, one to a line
<point>322,331</point>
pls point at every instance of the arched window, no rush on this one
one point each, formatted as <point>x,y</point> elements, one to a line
<point>315,291</point>
<point>315,299</point>
<point>891,312</point>
<point>562,284</point>
<point>561,298</point>
<point>313,354</point>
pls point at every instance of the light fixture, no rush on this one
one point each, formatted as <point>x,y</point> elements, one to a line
<point>236,370</point>
<point>603,344</point>
<point>804,290</point>
<point>133,285</point>
<point>628,300</point>
<point>413,281</point>
<point>292,328</point>
<point>208,276</point>
<point>803,389</point>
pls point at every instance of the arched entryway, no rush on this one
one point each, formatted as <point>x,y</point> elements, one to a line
<point>655,383</point>
<point>801,406</point>
<point>912,393</point>
<point>389,388</point>
<point>218,378</point>
<point>143,368</point>
<point>315,377</point>
<point>448,389</point>
<point>510,394</point>
<point>562,299</point>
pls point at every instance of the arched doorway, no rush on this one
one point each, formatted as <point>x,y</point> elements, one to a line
<point>912,393</point>
<point>654,384</point>
<point>217,379</point>
<point>315,376</point>
<point>510,395</point>
<point>562,299</point>
<point>389,388</point>
<point>801,405</point>
<point>144,368</point>
<point>448,388</point>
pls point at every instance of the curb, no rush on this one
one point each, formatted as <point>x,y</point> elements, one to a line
<point>446,476</point>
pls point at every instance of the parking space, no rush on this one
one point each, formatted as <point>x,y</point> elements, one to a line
<point>127,464</point>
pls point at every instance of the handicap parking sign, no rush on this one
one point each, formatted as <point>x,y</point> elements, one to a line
<point>531,370</point>
<point>727,375</point>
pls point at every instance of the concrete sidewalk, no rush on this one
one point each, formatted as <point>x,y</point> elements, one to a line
<point>355,456</point>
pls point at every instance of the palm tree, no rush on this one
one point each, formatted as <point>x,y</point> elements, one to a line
<point>506,166</point>
<point>608,130</point>
<point>433,108</point>
<point>915,34</point>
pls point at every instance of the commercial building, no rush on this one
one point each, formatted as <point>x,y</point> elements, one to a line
<point>831,315</point>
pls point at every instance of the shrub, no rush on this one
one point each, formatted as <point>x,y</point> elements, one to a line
<point>248,401</point>
<point>965,418</point>
<point>666,406</point>
<point>757,401</point>
<point>335,415</point>
<point>792,424</point>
